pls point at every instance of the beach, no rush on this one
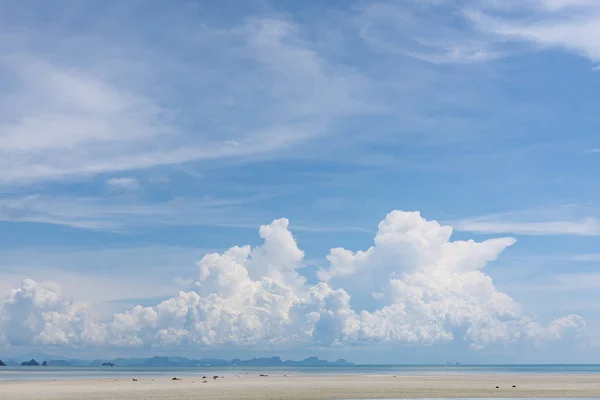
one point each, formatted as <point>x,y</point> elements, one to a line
<point>245,387</point>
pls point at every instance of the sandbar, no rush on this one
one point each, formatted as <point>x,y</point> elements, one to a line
<point>245,387</point>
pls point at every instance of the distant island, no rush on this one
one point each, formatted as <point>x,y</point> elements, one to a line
<point>278,362</point>
<point>163,362</point>
<point>2,364</point>
<point>57,363</point>
<point>166,362</point>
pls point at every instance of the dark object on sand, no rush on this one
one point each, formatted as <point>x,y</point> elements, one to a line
<point>497,387</point>
<point>514,385</point>
<point>31,363</point>
<point>204,381</point>
<point>215,377</point>
<point>203,377</point>
<point>135,380</point>
<point>263,375</point>
<point>176,379</point>
<point>284,376</point>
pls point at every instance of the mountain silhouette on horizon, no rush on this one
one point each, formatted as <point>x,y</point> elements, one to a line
<point>166,362</point>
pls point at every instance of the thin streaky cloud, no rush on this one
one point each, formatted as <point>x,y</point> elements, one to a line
<point>306,228</point>
<point>96,213</point>
<point>592,257</point>
<point>123,183</point>
<point>65,121</point>
<point>568,25</point>
<point>99,214</point>
<point>586,227</point>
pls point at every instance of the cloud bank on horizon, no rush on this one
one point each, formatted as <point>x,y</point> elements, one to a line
<point>426,287</point>
<point>138,137</point>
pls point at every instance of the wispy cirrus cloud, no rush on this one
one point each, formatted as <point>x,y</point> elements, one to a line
<point>586,227</point>
<point>572,25</point>
<point>590,257</point>
<point>592,151</point>
<point>456,32</point>
<point>263,90</point>
<point>124,215</point>
<point>99,213</point>
<point>565,220</point>
<point>123,183</point>
<point>428,31</point>
<point>267,87</point>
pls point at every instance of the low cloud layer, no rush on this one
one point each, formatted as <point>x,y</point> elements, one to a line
<point>423,287</point>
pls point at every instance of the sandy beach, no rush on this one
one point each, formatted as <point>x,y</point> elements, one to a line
<point>309,387</point>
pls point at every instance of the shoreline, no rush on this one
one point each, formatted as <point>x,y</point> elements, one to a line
<point>245,387</point>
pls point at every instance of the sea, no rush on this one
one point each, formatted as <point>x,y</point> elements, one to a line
<point>64,373</point>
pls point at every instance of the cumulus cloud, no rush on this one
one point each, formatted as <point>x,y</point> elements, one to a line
<point>425,288</point>
<point>38,313</point>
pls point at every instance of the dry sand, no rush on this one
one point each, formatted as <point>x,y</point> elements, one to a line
<point>309,387</point>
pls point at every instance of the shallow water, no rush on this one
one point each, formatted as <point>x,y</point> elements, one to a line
<point>60,373</point>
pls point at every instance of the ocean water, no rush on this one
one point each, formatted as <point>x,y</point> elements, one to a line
<point>59,373</point>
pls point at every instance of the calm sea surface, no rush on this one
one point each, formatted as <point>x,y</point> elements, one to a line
<point>51,373</point>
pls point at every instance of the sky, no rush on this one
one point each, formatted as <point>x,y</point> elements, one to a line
<point>406,181</point>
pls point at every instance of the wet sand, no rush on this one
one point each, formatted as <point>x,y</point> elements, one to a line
<point>308,387</point>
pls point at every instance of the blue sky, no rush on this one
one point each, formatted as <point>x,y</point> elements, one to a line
<point>137,137</point>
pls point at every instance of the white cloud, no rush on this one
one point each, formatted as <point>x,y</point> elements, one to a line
<point>470,32</point>
<point>263,90</point>
<point>102,276</point>
<point>555,330</point>
<point>64,121</point>
<point>567,282</point>
<point>97,213</point>
<point>425,285</point>
<point>113,214</point>
<point>573,25</point>
<point>593,257</point>
<point>268,86</point>
<point>123,183</point>
<point>422,276</point>
<point>39,314</point>
<point>587,227</point>
<point>424,30</point>
<point>567,219</point>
